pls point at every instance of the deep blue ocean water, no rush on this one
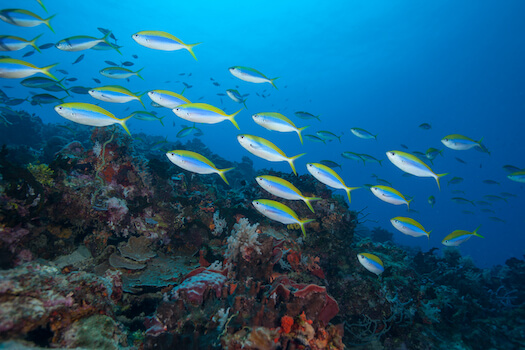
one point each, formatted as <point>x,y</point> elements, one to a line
<point>379,65</point>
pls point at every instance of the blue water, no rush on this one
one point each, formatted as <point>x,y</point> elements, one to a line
<point>383,66</point>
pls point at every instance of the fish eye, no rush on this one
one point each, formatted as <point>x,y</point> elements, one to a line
<point>446,139</point>
<point>392,153</point>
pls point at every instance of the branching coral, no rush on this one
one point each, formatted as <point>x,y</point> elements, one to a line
<point>243,241</point>
<point>42,173</point>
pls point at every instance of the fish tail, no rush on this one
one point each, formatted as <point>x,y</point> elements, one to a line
<point>190,47</point>
<point>299,132</point>
<point>479,142</point>
<point>45,70</point>
<point>33,43</point>
<point>408,203</point>
<point>379,161</point>
<point>317,117</point>
<point>308,200</point>
<point>304,222</point>
<point>292,160</point>
<point>439,176</point>
<point>475,232</point>
<point>348,190</point>
<point>139,98</point>
<point>273,84</point>
<point>339,138</point>
<point>123,123</point>
<point>222,172</point>
<point>244,103</point>
<point>42,4</point>
<point>46,22</point>
<point>231,118</point>
<point>160,120</point>
<point>138,73</point>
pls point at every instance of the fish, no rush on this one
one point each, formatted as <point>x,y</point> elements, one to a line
<point>284,189</point>
<point>14,43</point>
<point>158,40</point>
<point>457,192</point>
<point>71,79</point>
<point>79,58</point>
<point>115,94</point>
<point>409,227</point>
<point>455,180</point>
<point>371,262</point>
<point>89,114</point>
<point>384,182</point>
<point>518,176</point>
<point>15,101</point>
<point>313,138</point>
<point>459,236</point>
<point>12,69</point>
<point>146,116</point>
<point>103,46</point>
<point>111,63</point>
<point>81,42</point>
<point>277,122</point>
<point>221,94</point>
<point>369,158</point>
<point>328,136</point>
<point>236,97</point>
<point>24,18</point>
<point>511,168</point>
<point>167,98</point>
<point>412,165</point>
<point>494,198</point>
<point>432,153</point>
<point>496,219</point>
<point>204,113</point>
<point>188,130</point>
<point>461,200</point>
<point>330,178</point>
<point>490,182</point>
<point>280,212</point>
<point>266,150</point>
<point>251,75</point>
<point>63,71</point>
<point>135,56</point>
<point>459,142</point>
<point>127,64</point>
<point>46,46</point>
<point>460,160</point>
<point>353,156</point>
<point>487,210</point>
<point>390,195</point>
<point>46,99</point>
<point>216,83</point>
<point>96,80</point>
<point>80,90</point>
<point>508,195</point>
<point>432,200</point>
<point>363,134</point>
<point>425,126</point>
<point>331,164</point>
<point>196,163</point>
<point>483,203</point>
<point>468,212</point>
<point>306,115</point>
<point>404,146</point>
<point>120,73</point>
<point>188,86</point>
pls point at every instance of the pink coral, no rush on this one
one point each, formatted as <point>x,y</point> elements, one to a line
<point>197,282</point>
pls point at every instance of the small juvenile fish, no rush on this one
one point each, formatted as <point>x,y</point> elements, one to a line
<point>331,164</point>
<point>284,189</point>
<point>46,46</point>
<point>88,114</point>
<point>468,212</point>
<point>120,73</point>
<point>425,126</point>
<point>96,80</point>
<point>371,262</point>
<point>329,177</point>
<point>432,200</point>
<point>135,56</point>
<point>146,116</point>
<point>494,198</point>
<point>15,101</point>
<point>204,113</point>
<point>496,219</point>
<point>409,227</point>
<point>461,200</point>
<point>369,158</point>
<point>167,98</point>
<point>390,195</point>
<point>314,138</point>
<point>46,99</point>
<point>115,94</point>
<point>353,156</point>
<point>459,236</point>
<point>328,136</point>
<point>111,63</point>
<point>455,180</point>
<point>483,203</point>
<point>71,79</point>
<point>216,83</point>
<point>363,134</point>
<point>251,75</point>
<point>80,43</point>
<point>432,153</point>
<point>266,150</point>
<point>24,18</point>
<point>277,122</point>
<point>490,182</point>
<point>508,195</point>
<point>196,163</point>
<point>80,58</point>
<point>187,130</point>
<point>280,212</point>
<point>412,165</point>
<point>460,160</point>
<point>487,210</point>
<point>80,90</point>
<point>236,97</point>
<point>459,142</point>
<point>159,40</point>
<point>14,43</point>
<point>127,64</point>
<point>12,69</point>
<point>306,115</point>
<point>63,71</point>
<point>518,176</point>
<point>188,86</point>
<point>511,168</point>
<point>404,146</point>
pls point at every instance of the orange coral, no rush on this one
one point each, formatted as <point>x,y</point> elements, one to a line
<point>286,324</point>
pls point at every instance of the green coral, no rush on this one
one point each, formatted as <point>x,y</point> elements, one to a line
<point>42,173</point>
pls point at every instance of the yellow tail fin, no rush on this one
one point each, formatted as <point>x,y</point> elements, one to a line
<point>299,132</point>
<point>439,176</point>
<point>273,84</point>
<point>231,117</point>
<point>308,200</point>
<point>348,190</point>
<point>46,21</point>
<point>304,222</point>
<point>45,70</point>
<point>292,160</point>
<point>33,43</point>
<point>222,172</point>
<point>190,47</point>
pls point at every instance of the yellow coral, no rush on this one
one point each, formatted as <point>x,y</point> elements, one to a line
<point>42,173</point>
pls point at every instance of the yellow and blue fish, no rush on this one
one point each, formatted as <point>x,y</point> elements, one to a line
<point>195,163</point>
<point>167,98</point>
<point>390,195</point>
<point>15,43</point>
<point>363,134</point>
<point>284,189</point>
<point>412,165</point>
<point>120,73</point>
<point>277,122</point>
<point>329,177</point>
<point>236,96</point>
<point>158,40</point>
<point>460,143</point>
<point>280,212</point>
<point>251,75</point>
<point>459,236</point>
<point>518,176</point>
<point>204,113</point>
<point>409,227</point>
<point>82,42</point>
<point>13,69</point>
<point>24,18</point>
<point>115,94</point>
<point>371,262</point>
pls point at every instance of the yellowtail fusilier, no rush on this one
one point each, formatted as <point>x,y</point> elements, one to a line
<point>13,69</point>
<point>306,115</point>
<point>88,114</point>
<point>459,142</point>
<point>277,122</point>
<point>412,165</point>
<point>409,227</point>
<point>195,163</point>
<point>120,73</point>
<point>41,4</point>
<point>251,75</point>
<point>158,40</point>
<point>371,262</point>
<point>114,94</point>
<point>459,236</point>
<point>204,113</point>
<point>363,134</point>
<point>329,177</point>
<point>328,135</point>
<point>81,42</point>
<point>167,98</point>
<point>353,156</point>
<point>266,150</point>
<point>284,189</point>
<point>518,176</point>
<point>390,195</point>
<point>279,212</point>
<point>236,97</point>
<point>14,43</point>
<point>146,116</point>
<point>24,18</point>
